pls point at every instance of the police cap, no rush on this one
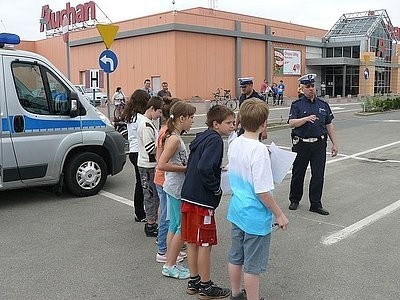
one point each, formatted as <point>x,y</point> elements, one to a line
<point>307,79</point>
<point>243,81</point>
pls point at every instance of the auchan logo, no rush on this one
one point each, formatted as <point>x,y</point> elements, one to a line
<point>81,13</point>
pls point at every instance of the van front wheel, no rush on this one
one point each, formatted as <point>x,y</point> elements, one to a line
<point>85,174</point>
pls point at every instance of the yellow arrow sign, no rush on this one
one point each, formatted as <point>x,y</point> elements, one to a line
<point>108,33</point>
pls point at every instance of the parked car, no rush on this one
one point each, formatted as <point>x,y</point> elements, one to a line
<point>101,97</point>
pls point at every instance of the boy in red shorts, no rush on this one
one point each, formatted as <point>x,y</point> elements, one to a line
<point>201,194</point>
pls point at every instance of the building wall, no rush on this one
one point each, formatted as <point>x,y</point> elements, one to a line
<point>193,63</point>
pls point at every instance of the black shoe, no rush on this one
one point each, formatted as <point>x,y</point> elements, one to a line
<point>212,291</point>
<point>151,230</point>
<point>144,219</point>
<point>320,210</point>
<point>193,287</point>
<point>293,205</point>
<point>241,296</point>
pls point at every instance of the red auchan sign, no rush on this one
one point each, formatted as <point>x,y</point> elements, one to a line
<point>81,13</point>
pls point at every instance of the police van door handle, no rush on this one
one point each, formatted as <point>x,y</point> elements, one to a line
<point>19,123</point>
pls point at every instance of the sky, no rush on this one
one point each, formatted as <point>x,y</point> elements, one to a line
<point>22,16</point>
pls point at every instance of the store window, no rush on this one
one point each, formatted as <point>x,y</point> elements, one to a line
<point>382,80</point>
<point>337,52</point>
<point>329,52</point>
<point>356,51</point>
<point>346,51</point>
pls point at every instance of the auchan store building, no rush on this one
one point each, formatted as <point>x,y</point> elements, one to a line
<point>199,50</point>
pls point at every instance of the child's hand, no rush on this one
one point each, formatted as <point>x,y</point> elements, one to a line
<point>282,222</point>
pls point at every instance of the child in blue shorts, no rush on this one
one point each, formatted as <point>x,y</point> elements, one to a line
<point>252,209</point>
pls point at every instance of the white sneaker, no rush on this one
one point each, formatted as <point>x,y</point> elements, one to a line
<point>162,258</point>
<point>175,272</point>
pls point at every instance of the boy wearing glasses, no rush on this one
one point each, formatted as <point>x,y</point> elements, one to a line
<point>311,121</point>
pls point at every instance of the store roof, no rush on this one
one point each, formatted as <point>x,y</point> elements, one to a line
<point>361,24</point>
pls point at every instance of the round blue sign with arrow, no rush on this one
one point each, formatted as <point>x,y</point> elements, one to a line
<point>108,61</point>
<point>366,73</point>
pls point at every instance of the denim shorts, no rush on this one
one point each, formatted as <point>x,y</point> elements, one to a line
<point>249,250</point>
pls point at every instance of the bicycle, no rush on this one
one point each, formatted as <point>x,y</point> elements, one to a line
<point>118,111</point>
<point>225,99</point>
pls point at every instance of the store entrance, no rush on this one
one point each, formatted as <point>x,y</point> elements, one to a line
<point>334,78</point>
<point>334,86</point>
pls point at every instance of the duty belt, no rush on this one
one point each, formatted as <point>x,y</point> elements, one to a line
<point>309,140</point>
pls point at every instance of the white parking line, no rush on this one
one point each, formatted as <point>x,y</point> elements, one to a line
<point>346,232</point>
<point>362,153</point>
<point>116,198</point>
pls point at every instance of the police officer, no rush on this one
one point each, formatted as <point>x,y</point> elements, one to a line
<point>248,92</point>
<point>311,121</point>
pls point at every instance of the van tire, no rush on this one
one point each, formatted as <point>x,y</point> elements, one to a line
<point>85,174</point>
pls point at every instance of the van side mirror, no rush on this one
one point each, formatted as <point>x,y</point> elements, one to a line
<point>73,112</point>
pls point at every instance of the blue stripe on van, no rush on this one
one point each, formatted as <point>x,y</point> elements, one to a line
<point>4,125</point>
<point>39,125</point>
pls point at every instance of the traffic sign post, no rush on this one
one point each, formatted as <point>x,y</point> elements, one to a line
<point>108,61</point>
<point>65,35</point>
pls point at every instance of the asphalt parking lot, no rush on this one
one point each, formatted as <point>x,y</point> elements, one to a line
<point>61,247</point>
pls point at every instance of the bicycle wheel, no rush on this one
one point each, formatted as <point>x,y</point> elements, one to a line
<point>117,114</point>
<point>231,104</point>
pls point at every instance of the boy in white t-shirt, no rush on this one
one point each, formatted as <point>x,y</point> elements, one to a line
<point>252,209</point>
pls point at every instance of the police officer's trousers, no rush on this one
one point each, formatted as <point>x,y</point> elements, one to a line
<point>315,154</point>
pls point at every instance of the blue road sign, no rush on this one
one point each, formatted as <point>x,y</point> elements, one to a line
<point>108,61</point>
<point>366,73</point>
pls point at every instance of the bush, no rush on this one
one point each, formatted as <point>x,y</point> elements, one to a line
<point>380,103</point>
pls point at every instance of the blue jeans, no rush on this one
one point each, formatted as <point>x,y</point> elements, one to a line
<point>163,224</point>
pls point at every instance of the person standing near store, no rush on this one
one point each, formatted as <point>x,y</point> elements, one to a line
<point>281,90</point>
<point>248,92</point>
<point>263,88</point>
<point>323,89</point>
<point>147,87</point>
<point>311,121</point>
<point>164,92</point>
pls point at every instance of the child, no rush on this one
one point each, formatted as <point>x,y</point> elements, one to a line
<point>173,161</point>
<point>201,194</point>
<point>159,179</point>
<point>147,137</point>
<point>252,206</point>
<point>133,115</point>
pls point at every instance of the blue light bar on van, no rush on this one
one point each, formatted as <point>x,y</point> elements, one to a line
<point>9,38</point>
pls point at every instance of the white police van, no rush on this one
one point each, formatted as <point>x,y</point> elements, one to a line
<point>50,134</point>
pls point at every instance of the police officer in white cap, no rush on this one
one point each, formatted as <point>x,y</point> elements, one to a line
<point>248,92</point>
<point>311,121</point>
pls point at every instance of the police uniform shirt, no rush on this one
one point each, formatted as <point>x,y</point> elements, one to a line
<point>304,107</point>
<point>254,94</point>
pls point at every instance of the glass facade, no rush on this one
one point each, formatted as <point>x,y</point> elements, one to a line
<point>376,34</point>
<point>382,80</point>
